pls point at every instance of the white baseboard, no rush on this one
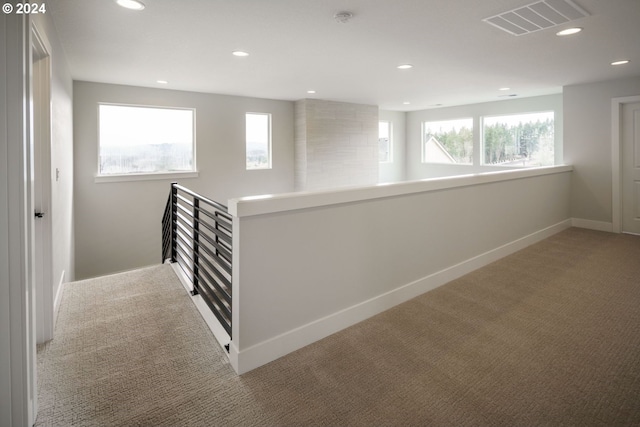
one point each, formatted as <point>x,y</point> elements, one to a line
<point>278,346</point>
<point>58,299</point>
<point>210,319</point>
<point>592,225</point>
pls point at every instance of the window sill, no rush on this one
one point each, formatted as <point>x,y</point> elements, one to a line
<point>144,177</point>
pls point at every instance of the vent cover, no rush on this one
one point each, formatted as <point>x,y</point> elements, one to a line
<point>537,16</point>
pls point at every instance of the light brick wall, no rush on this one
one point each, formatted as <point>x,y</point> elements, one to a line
<point>336,144</point>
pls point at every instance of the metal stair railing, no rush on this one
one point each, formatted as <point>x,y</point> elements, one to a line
<point>196,234</point>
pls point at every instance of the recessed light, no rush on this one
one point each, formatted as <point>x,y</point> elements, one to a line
<point>131,4</point>
<point>405,66</point>
<point>240,53</point>
<point>504,88</point>
<point>406,103</point>
<point>311,91</point>
<point>569,31</point>
<point>621,62</point>
<point>162,82</point>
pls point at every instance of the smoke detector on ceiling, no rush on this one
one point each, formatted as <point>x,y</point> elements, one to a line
<point>343,17</point>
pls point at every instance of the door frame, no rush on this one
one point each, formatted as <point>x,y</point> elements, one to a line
<point>18,383</point>
<point>616,158</point>
<point>41,137</point>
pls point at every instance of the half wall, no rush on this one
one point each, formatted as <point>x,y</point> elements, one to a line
<point>307,265</point>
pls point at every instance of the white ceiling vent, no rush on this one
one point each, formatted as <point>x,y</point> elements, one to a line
<point>537,16</point>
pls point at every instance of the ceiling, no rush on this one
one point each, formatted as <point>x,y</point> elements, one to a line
<point>297,45</point>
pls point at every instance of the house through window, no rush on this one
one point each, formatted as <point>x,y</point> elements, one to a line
<point>448,141</point>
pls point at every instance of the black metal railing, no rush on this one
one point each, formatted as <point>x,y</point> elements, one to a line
<point>196,234</point>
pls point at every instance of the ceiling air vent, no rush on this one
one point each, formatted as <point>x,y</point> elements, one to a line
<point>537,16</point>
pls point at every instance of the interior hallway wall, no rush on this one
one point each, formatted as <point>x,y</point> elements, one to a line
<point>118,223</point>
<point>587,144</point>
<point>416,169</point>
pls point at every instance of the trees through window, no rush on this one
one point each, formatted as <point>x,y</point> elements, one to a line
<point>448,141</point>
<point>519,140</point>
<point>258,141</point>
<point>145,140</point>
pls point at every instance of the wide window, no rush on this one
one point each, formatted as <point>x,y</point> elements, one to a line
<point>385,142</point>
<point>519,139</point>
<point>448,141</point>
<point>145,140</point>
<point>258,140</point>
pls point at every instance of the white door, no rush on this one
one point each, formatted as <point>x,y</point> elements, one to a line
<point>630,132</point>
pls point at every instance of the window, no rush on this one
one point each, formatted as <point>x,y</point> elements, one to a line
<point>519,139</point>
<point>385,142</point>
<point>145,140</point>
<point>448,141</point>
<point>258,138</point>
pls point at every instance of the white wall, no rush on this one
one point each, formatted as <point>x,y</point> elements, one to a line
<point>117,224</point>
<point>587,144</point>
<point>394,171</point>
<point>337,257</point>
<point>418,170</point>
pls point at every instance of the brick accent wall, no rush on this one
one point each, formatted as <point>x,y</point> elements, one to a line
<point>336,144</point>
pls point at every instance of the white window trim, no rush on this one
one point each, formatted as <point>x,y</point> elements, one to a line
<point>390,123</point>
<point>104,178</point>
<point>269,143</point>
<point>422,142</point>
<point>520,113</point>
<point>99,179</point>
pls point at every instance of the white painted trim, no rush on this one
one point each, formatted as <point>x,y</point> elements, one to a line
<point>592,225</point>
<point>616,158</point>
<point>267,351</point>
<point>40,50</point>
<point>269,203</point>
<point>210,319</point>
<point>18,382</point>
<point>101,179</point>
<point>58,298</point>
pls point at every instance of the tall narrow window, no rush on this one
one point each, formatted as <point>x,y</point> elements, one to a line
<point>385,141</point>
<point>258,139</point>
<point>519,139</point>
<point>137,140</point>
<point>448,141</point>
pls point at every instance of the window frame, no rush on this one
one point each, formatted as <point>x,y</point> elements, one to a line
<point>423,154</point>
<point>144,176</point>
<point>269,141</point>
<point>390,143</point>
<point>482,159</point>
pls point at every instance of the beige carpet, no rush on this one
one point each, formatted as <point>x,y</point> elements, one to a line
<point>549,336</point>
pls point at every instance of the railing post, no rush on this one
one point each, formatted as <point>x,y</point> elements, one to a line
<point>196,244</point>
<point>217,227</point>
<point>174,221</point>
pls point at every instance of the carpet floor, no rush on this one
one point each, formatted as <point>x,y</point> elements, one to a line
<point>549,336</point>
